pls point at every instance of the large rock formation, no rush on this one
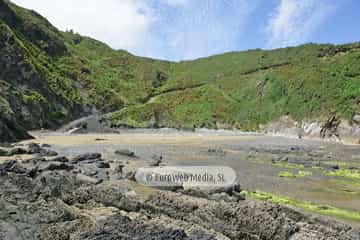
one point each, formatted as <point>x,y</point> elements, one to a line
<point>88,198</point>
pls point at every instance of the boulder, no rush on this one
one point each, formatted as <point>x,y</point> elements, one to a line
<point>59,159</point>
<point>83,179</point>
<point>48,153</point>
<point>4,167</point>
<point>157,157</point>
<point>12,166</point>
<point>155,163</point>
<point>125,152</point>
<point>3,152</point>
<point>17,151</point>
<point>34,148</point>
<point>103,165</point>
<point>356,118</point>
<point>53,166</point>
<point>86,156</point>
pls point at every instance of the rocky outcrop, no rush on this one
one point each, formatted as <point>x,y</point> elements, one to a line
<point>331,129</point>
<point>61,198</point>
<point>30,97</point>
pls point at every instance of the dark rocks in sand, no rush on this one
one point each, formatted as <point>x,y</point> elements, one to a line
<point>103,165</point>
<point>119,168</point>
<point>48,153</point>
<point>11,166</point>
<point>34,148</point>
<point>330,166</point>
<point>125,152</point>
<point>3,153</point>
<point>100,139</point>
<point>215,196</point>
<point>231,193</point>
<point>157,157</point>
<point>4,167</point>
<point>298,160</point>
<point>84,179</point>
<point>155,163</point>
<point>59,159</point>
<point>45,145</point>
<point>86,156</point>
<point>131,176</point>
<point>52,166</point>
<point>35,160</point>
<point>218,152</point>
<point>62,204</point>
<point>17,151</point>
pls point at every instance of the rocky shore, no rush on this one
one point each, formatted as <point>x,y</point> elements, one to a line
<point>47,196</point>
<point>332,129</point>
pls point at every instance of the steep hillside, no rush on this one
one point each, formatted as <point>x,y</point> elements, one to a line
<point>255,87</point>
<point>49,77</point>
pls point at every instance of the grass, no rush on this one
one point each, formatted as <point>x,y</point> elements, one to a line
<point>304,174</point>
<point>345,173</point>
<point>289,165</point>
<point>305,205</point>
<point>287,174</point>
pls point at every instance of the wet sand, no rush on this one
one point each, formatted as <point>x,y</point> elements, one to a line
<point>250,155</point>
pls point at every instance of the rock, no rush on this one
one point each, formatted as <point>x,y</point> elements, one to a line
<point>83,179</point>
<point>4,167</point>
<point>44,145</point>
<point>3,152</point>
<point>67,205</point>
<point>221,197</point>
<point>17,151</point>
<point>87,156</point>
<point>59,159</point>
<point>155,163</point>
<point>330,166</point>
<point>229,190</point>
<point>48,153</point>
<point>119,168</point>
<point>157,157</point>
<point>103,165</point>
<point>218,152</point>
<point>58,166</point>
<point>34,148</point>
<point>11,166</point>
<point>35,160</point>
<point>330,128</point>
<point>237,188</point>
<point>32,172</point>
<point>125,152</point>
<point>131,176</point>
<point>100,139</point>
<point>239,196</point>
<point>356,118</point>
<point>230,193</point>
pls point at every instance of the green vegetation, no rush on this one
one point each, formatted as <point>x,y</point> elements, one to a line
<point>345,173</point>
<point>254,87</point>
<point>304,174</point>
<point>294,175</point>
<point>308,206</point>
<point>242,90</point>
<point>286,174</point>
<point>289,165</point>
